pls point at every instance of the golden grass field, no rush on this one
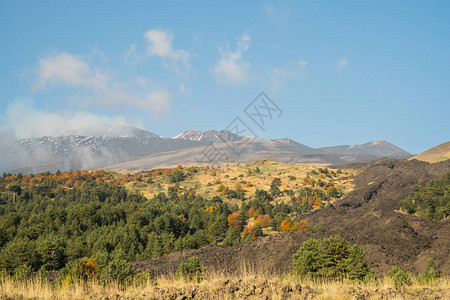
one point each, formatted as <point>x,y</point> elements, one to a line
<point>207,180</point>
<point>217,286</point>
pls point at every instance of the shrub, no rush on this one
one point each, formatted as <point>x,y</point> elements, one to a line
<point>144,278</point>
<point>177,176</point>
<point>119,268</point>
<point>190,270</point>
<point>399,277</point>
<point>331,258</point>
<point>80,269</point>
<point>430,273</point>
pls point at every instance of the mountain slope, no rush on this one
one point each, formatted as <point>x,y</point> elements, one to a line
<point>439,153</point>
<point>83,152</point>
<point>376,148</point>
<point>281,150</point>
<point>236,152</point>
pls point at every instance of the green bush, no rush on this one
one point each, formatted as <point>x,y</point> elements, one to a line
<point>190,270</point>
<point>144,278</point>
<point>430,273</point>
<point>399,277</point>
<point>331,258</point>
<point>177,176</point>
<point>119,268</point>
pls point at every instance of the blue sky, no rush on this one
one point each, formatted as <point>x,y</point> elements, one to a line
<point>343,72</point>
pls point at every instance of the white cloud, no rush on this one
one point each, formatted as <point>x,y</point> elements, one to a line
<point>231,68</point>
<point>45,123</point>
<point>71,71</point>
<point>129,53</point>
<point>244,42</point>
<point>302,63</point>
<point>160,44</point>
<point>157,102</point>
<point>342,64</point>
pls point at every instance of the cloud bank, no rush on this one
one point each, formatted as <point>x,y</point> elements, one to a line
<point>23,120</point>
<point>68,70</point>
<point>232,69</point>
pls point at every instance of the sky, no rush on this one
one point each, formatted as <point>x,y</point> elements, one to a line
<point>341,72</point>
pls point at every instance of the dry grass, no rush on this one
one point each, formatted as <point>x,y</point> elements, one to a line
<point>214,287</point>
<point>228,176</point>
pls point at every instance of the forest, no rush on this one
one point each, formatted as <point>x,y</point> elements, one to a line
<point>69,221</point>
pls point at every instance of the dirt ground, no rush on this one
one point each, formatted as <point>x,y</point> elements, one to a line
<point>369,216</point>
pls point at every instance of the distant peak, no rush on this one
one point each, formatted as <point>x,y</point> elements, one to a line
<point>187,133</point>
<point>379,143</point>
<point>210,136</point>
<point>285,140</point>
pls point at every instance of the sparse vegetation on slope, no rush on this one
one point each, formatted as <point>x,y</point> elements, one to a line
<point>431,201</point>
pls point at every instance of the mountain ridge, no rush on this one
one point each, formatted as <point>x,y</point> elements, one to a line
<point>211,136</point>
<point>117,147</point>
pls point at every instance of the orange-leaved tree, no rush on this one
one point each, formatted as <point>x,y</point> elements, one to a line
<point>233,220</point>
<point>302,225</point>
<point>285,225</point>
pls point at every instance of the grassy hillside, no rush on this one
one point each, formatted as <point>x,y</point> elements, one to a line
<point>435,154</point>
<point>207,182</point>
<point>70,221</point>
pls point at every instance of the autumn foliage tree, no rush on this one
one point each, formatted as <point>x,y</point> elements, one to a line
<point>289,225</point>
<point>233,220</point>
<point>302,225</point>
<point>286,225</point>
<point>264,221</point>
<point>250,231</point>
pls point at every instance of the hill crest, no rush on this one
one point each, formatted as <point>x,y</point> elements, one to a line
<point>436,154</point>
